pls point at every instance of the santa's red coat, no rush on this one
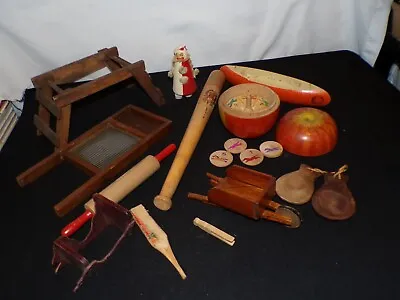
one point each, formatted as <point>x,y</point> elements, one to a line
<point>190,86</point>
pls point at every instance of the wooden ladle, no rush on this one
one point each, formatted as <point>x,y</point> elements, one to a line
<point>297,187</point>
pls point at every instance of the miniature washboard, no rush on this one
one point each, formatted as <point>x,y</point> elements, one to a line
<point>103,151</point>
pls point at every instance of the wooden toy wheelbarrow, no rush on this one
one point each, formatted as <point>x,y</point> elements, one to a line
<point>249,193</point>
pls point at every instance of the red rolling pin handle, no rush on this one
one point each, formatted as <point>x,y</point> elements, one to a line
<point>165,152</point>
<point>72,227</point>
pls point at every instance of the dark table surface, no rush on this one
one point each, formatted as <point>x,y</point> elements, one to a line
<point>354,259</point>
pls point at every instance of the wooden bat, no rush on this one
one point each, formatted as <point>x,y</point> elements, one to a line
<point>194,130</point>
<point>121,187</point>
<point>157,238</point>
<point>214,231</point>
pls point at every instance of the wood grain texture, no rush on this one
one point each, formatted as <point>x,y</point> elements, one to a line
<point>137,119</point>
<point>237,193</point>
<point>151,128</point>
<point>57,101</point>
<point>39,169</point>
<point>78,69</point>
<point>200,116</point>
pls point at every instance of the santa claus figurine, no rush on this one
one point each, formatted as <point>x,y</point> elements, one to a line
<point>183,73</point>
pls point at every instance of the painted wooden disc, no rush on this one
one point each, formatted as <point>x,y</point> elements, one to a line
<point>271,149</point>
<point>251,157</point>
<point>221,158</point>
<point>235,145</point>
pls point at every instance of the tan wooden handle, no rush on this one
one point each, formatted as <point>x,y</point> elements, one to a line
<point>199,197</point>
<point>272,204</point>
<point>213,177</point>
<point>269,215</point>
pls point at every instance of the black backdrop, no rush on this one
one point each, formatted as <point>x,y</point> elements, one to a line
<point>357,258</point>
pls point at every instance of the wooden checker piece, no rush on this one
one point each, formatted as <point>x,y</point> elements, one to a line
<point>221,158</point>
<point>271,149</point>
<point>235,145</point>
<point>251,157</point>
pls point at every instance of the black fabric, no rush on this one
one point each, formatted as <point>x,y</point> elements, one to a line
<point>354,259</point>
<point>388,55</point>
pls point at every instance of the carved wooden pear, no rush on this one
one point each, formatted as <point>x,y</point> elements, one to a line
<point>334,200</point>
<point>298,187</point>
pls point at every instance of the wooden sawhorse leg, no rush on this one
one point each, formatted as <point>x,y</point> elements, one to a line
<point>62,126</point>
<point>43,113</point>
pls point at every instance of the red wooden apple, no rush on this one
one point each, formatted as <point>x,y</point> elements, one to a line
<point>307,131</point>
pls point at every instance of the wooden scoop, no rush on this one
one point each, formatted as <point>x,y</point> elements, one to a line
<point>298,187</point>
<point>333,200</point>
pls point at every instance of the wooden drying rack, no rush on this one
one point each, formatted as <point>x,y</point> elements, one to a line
<point>55,101</point>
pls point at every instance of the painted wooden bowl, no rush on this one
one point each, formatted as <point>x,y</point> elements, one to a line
<point>289,89</point>
<point>307,131</point>
<point>249,110</point>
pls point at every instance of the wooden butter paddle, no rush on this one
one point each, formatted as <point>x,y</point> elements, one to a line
<point>157,238</point>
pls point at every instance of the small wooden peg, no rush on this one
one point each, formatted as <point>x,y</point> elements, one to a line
<point>214,231</point>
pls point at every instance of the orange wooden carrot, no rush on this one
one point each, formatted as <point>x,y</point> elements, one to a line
<point>289,89</point>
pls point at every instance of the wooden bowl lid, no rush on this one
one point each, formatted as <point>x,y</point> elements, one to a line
<point>249,101</point>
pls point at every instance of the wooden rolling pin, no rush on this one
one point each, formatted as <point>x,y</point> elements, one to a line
<point>121,187</point>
